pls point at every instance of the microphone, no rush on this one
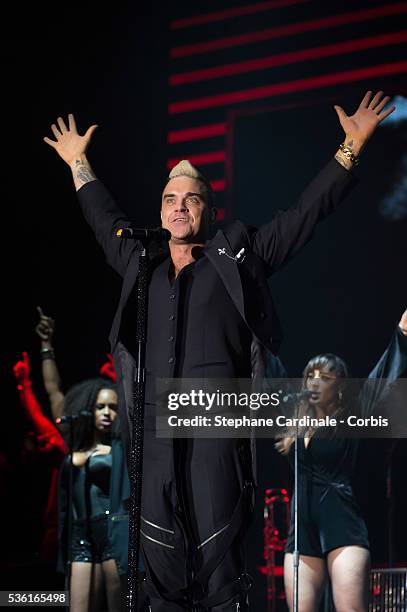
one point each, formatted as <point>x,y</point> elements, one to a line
<point>296,397</point>
<point>141,233</point>
<point>67,418</point>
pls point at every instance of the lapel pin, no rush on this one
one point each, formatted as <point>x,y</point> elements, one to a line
<point>239,258</point>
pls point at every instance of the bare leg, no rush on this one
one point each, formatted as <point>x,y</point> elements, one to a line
<point>86,587</point>
<point>115,586</point>
<point>349,570</point>
<point>311,579</point>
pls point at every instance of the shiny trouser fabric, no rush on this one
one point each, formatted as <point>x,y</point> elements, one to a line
<point>190,491</point>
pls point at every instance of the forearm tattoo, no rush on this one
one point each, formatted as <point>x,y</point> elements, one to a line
<point>83,173</point>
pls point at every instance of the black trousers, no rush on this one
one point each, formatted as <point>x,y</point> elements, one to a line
<point>196,503</point>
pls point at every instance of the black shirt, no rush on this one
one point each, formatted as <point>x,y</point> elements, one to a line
<point>194,329</point>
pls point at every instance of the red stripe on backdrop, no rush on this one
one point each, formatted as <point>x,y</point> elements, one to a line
<point>219,185</point>
<point>196,133</point>
<point>268,91</point>
<point>258,7</point>
<point>391,38</point>
<point>202,159</point>
<point>289,30</point>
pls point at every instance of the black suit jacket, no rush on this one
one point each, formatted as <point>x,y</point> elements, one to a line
<point>266,249</point>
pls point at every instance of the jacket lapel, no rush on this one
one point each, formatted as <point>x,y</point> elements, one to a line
<point>128,284</point>
<point>220,254</point>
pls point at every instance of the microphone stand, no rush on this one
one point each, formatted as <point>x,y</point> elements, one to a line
<point>69,500</point>
<point>137,436</point>
<point>68,571</point>
<point>137,422</point>
<point>390,504</point>
<point>296,554</point>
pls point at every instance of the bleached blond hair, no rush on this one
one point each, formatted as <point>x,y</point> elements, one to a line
<point>185,168</point>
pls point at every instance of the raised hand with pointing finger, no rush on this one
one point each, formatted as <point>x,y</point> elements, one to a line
<point>52,380</point>
<point>45,328</point>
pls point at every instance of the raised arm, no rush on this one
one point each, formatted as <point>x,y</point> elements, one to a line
<point>279,240</point>
<point>50,374</point>
<point>107,369</point>
<point>47,434</point>
<point>391,366</point>
<point>98,206</point>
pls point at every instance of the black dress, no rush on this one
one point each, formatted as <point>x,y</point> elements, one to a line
<point>100,521</point>
<point>328,514</point>
<point>91,507</point>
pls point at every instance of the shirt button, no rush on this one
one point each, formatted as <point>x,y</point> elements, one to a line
<point>171,339</point>
<point>172,296</point>
<point>171,317</point>
<point>171,360</point>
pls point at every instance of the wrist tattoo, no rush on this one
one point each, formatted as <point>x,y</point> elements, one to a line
<point>349,144</point>
<point>83,173</point>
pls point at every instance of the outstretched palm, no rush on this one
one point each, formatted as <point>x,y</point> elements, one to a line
<point>69,144</point>
<point>360,126</point>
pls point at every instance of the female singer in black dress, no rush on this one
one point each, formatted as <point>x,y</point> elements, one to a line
<point>332,534</point>
<point>100,486</point>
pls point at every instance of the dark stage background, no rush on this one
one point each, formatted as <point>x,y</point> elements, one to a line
<point>245,90</point>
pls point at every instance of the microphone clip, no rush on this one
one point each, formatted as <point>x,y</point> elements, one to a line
<point>239,258</point>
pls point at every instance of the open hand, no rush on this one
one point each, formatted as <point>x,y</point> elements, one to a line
<point>360,126</point>
<point>69,144</point>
